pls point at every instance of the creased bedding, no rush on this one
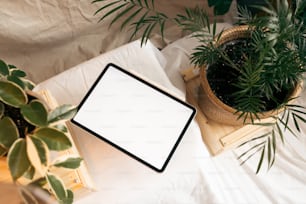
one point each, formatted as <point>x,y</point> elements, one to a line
<point>192,176</point>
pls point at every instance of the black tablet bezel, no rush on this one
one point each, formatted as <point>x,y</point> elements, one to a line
<point>111,65</point>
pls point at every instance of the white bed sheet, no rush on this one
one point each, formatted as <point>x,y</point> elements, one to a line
<point>192,176</point>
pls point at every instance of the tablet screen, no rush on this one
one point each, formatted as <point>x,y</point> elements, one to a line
<point>134,116</point>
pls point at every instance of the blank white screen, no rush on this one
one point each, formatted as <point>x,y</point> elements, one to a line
<point>134,116</point>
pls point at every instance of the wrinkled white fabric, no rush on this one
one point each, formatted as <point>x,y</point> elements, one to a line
<point>46,37</point>
<point>192,176</point>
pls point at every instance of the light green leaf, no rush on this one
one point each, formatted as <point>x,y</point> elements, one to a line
<point>4,70</point>
<point>18,160</point>
<point>28,84</point>
<point>61,127</point>
<point>54,139</point>
<point>70,163</point>
<point>8,132</point>
<point>38,154</point>
<point>12,94</point>
<point>63,112</point>
<point>35,113</point>
<point>57,187</point>
<point>29,174</point>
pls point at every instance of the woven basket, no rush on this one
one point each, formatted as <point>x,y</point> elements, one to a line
<point>212,106</point>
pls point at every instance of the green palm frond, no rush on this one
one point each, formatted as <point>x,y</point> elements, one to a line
<point>138,15</point>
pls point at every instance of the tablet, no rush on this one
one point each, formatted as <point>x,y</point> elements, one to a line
<point>135,116</point>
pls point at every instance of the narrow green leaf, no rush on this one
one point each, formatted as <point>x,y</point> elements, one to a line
<point>8,132</point>
<point>130,18</point>
<point>54,139</point>
<point>35,113</point>
<point>121,14</point>
<point>4,70</point>
<point>70,163</point>
<point>12,94</point>
<point>106,6</point>
<point>260,160</point>
<point>113,11</point>
<point>57,186</point>
<point>69,198</point>
<point>63,112</point>
<point>18,160</point>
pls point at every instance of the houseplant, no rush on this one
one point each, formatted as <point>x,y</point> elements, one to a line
<point>30,133</point>
<point>273,60</point>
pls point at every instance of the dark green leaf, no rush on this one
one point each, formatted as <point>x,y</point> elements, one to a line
<point>35,113</point>
<point>260,160</point>
<point>57,187</point>
<point>69,198</point>
<point>8,132</point>
<point>70,163</point>
<point>4,70</point>
<point>18,73</point>
<point>54,139</point>
<point>16,80</point>
<point>2,108</point>
<point>113,11</point>
<point>12,94</point>
<point>63,112</point>
<point>18,161</point>
<point>106,6</point>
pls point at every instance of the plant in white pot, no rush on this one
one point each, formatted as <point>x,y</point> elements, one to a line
<point>30,132</point>
<point>258,67</point>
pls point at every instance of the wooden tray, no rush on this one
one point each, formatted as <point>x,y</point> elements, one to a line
<point>217,137</point>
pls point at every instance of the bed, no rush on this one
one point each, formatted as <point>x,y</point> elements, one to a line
<point>193,175</point>
<point>65,56</point>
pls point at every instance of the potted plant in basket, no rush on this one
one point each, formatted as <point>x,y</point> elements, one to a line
<point>30,132</point>
<point>258,67</point>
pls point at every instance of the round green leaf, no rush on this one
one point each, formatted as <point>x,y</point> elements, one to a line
<point>18,73</point>
<point>8,132</point>
<point>54,139</point>
<point>12,94</point>
<point>4,70</point>
<point>57,186</point>
<point>35,113</point>
<point>16,80</point>
<point>63,112</point>
<point>70,163</point>
<point>18,160</point>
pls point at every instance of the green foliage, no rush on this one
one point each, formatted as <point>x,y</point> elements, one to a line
<point>12,94</point>
<point>274,61</point>
<point>139,15</point>
<point>35,113</point>
<point>18,160</point>
<point>28,132</point>
<point>53,138</point>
